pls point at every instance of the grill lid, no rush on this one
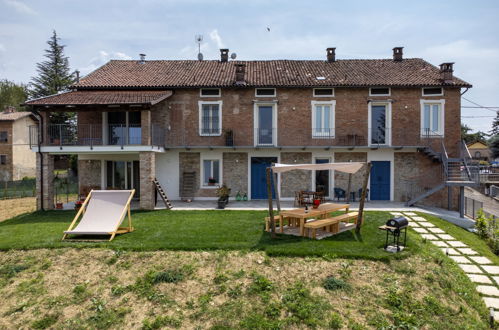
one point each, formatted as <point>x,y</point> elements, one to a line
<point>398,222</point>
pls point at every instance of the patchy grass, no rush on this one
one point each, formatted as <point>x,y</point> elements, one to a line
<point>199,230</point>
<point>11,208</point>
<point>236,290</point>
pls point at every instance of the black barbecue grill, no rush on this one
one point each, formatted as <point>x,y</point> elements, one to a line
<point>394,227</point>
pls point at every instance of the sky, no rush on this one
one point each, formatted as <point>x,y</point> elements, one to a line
<point>464,32</point>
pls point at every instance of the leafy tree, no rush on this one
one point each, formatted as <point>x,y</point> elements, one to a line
<point>54,76</point>
<point>495,125</point>
<point>472,137</point>
<point>494,146</point>
<point>12,94</point>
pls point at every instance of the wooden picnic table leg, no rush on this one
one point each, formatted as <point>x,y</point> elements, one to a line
<point>302,226</point>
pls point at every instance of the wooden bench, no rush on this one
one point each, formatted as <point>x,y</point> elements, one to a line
<point>277,218</point>
<point>329,224</point>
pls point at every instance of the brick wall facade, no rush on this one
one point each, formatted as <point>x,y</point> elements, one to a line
<point>47,200</point>
<point>147,175</point>
<point>89,175</point>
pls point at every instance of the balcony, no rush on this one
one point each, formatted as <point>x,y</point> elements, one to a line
<point>90,136</point>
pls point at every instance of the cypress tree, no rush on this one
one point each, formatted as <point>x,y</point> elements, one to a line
<point>495,125</point>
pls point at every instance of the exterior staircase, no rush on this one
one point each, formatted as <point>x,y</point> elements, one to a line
<point>456,171</point>
<point>162,194</point>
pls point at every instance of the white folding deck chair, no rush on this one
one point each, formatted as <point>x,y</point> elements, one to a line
<point>103,212</point>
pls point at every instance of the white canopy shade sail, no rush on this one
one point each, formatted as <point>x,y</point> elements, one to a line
<point>349,167</point>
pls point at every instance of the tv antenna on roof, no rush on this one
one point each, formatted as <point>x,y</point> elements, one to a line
<point>199,39</point>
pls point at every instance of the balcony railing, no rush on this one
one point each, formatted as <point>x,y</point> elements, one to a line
<point>95,135</point>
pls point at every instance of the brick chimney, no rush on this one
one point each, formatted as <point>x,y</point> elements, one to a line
<point>142,58</point>
<point>331,54</point>
<point>446,72</point>
<point>224,55</point>
<point>240,71</point>
<point>397,53</point>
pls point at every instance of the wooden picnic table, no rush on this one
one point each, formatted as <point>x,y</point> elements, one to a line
<point>319,212</point>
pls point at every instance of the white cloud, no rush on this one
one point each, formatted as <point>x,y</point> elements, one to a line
<point>102,58</point>
<point>20,7</point>
<point>214,36</point>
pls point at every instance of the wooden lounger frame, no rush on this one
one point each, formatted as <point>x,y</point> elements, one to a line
<point>119,230</point>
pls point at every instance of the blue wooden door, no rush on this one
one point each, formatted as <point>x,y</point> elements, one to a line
<point>259,176</point>
<point>380,181</point>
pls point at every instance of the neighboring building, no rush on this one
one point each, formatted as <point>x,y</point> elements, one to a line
<point>480,151</point>
<point>194,125</point>
<point>16,158</point>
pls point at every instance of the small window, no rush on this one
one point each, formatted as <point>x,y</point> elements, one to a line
<point>432,119</point>
<point>265,92</point>
<point>210,118</point>
<point>210,92</point>
<point>379,91</point>
<point>433,91</point>
<point>321,92</point>
<point>478,154</point>
<point>3,159</point>
<point>3,136</point>
<point>323,120</point>
<point>211,172</point>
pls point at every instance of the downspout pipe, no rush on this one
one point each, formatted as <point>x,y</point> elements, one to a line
<point>40,137</point>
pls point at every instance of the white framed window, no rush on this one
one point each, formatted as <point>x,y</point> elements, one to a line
<point>432,91</point>
<point>4,136</point>
<point>432,118</point>
<point>323,119</point>
<point>210,92</point>
<point>323,92</point>
<point>211,173</point>
<point>3,159</point>
<point>210,118</point>
<point>265,92</point>
<point>379,91</point>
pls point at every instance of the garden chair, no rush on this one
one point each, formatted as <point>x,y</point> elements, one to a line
<point>339,193</point>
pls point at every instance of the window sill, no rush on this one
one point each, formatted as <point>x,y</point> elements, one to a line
<point>215,186</point>
<point>218,134</point>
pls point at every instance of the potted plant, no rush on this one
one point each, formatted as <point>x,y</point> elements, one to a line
<point>78,204</point>
<point>211,181</point>
<point>229,138</point>
<point>316,203</point>
<point>223,193</point>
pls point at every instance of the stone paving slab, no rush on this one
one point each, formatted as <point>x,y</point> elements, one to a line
<point>426,224</point>
<point>439,243</point>
<point>488,290</point>
<point>410,213</point>
<point>479,278</point>
<point>491,302</point>
<point>457,244</point>
<point>460,259</point>
<point>413,224</point>
<point>435,230</point>
<point>446,237</point>
<point>467,251</point>
<point>420,230</point>
<point>396,213</point>
<point>496,279</point>
<point>480,260</point>
<point>450,251</point>
<point>418,219</point>
<point>430,237</point>
<point>469,269</point>
<point>494,270</point>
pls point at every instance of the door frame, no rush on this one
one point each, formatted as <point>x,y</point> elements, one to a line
<point>387,156</point>
<point>388,122</point>
<point>330,158</point>
<point>256,118</point>
<point>256,155</point>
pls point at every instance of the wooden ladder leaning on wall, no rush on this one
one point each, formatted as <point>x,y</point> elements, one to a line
<point>162,194</point>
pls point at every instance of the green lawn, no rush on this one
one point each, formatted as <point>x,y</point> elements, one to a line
<point>199,230</point>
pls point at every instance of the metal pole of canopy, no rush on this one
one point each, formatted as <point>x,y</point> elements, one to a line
<point>363,198</point>
<point>349,187</point>
<point>271,207</point>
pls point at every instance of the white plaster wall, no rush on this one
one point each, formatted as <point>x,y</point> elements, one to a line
<point>168,173</point>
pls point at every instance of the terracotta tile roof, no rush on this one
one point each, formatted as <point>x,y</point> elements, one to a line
<point>87,97</point>
<point>275,73</point>
<point>12,116</point>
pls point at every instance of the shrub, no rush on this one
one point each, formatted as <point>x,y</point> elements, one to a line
<point>487,228</point>
<point>331,283</point>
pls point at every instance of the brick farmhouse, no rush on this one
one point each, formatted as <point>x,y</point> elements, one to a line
<point>195,125</point>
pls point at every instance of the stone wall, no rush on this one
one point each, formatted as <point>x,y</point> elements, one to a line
<point>341,179</point>
<point>47,200</point>
<point>89,175</point>
<point>147,175</point>
<point>235,171</point>
<point>298,179</point>
<point>406,173</point>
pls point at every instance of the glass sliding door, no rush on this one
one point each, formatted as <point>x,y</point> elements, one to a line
<point>379,124</point>
<point>123,175</point>
<point>124,128</point>
<point>265,132</point>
